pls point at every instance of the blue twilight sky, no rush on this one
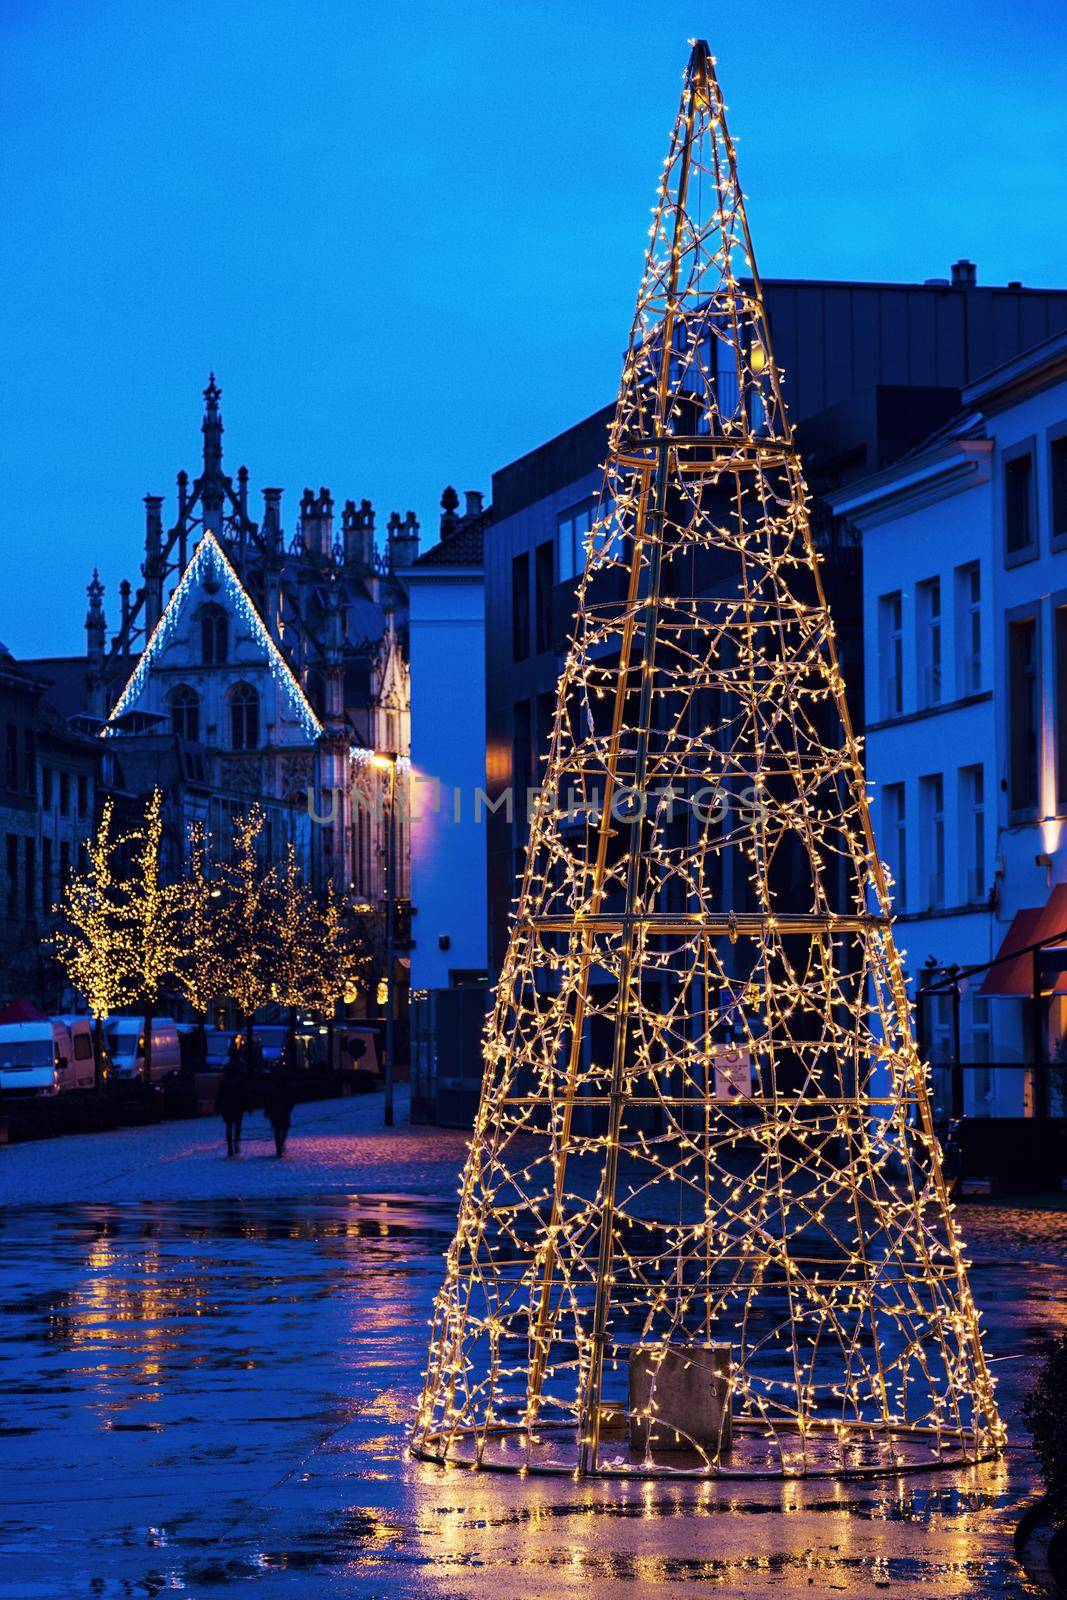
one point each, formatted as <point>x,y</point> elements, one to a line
<point>407,237</point>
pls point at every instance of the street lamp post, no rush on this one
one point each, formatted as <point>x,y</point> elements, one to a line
<point>388,758</point>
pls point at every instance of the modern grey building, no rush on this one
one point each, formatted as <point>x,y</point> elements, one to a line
<point>870,369</point>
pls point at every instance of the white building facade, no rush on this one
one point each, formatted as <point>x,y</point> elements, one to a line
<point>965,653</point>
<point>446,612</point>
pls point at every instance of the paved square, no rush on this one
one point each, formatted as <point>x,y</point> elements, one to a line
<point>208,1368</point>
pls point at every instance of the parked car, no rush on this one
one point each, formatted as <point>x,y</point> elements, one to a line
<point>268,1043</point>
<point>217,1044</point>
<point>30,1058</point>
<point>125,1047</point>
<point>81,1061</point>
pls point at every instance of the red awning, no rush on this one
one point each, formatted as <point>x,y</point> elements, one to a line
<point>1033,925</point>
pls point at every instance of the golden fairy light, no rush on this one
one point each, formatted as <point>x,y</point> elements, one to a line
<point>702,1226</point>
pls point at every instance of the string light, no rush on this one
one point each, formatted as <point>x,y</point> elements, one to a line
<point>209,558</point>
<point>703,1126</point>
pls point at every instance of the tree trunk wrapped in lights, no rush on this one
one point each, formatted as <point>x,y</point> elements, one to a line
<point>704,1153</point>
<point>151,927</point>
<point>298,950</point>
<point>200,968</point>
<point>247,923</point>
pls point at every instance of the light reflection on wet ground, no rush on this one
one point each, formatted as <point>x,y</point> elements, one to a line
<point>205,1397</point>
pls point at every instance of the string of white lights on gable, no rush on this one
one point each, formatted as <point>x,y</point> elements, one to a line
<point>209,557</point>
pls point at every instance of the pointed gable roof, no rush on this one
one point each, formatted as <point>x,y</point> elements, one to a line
<point>209,558</point>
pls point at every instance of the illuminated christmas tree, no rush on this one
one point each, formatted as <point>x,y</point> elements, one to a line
<point>703,1227</point>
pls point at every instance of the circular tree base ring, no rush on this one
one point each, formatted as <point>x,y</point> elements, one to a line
<point>824,1451</point>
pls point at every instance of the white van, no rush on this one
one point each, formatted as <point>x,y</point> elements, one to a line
<point>81,1062</point>
<point>125,1048</point>
<point>30,1058</point>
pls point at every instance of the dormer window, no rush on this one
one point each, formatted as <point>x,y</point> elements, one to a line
<point>244,717</point>
<point>213,635</point>
<point>185,712</point>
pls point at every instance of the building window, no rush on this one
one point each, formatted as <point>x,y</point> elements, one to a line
<point>29,882</point>
<point>1057,477</point>
<point>64,864</point>
<point>29,761</point>
<point>980,1078</point>
<point>1019,503</point>
<point>244,717</point>
<point>969,628</point>
<point>12,874</point>
<point>929,641</point>
<point>46,875</point>
<point>891,649</point>
<point>1023,713</point>
<point>932,794</point>
<point>572,530</point>
<point>185,712</point>
<point>521,766</point>
<point>972,833</point>
<point>213,636</point>
<point>11,757</point>
<point>896,841</point>
<point>360,847</point>
<point>64,794</point>
<point>1060,643</point>
<point>46,788</point>
<point>83,795</point>
<point>520,607</point>
<point>544,578</point>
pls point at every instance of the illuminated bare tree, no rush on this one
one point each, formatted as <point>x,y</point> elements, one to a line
<point>248,921</point>
<point>200,972</point>
<point>151,921</point>
<point>300,948</point>
<point>91,941</point>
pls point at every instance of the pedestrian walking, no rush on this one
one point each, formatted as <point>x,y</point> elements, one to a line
<point>231,1103</point>
<point>278,1104</point>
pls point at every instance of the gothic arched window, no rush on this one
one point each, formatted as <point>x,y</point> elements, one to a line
<point>185,712</point>
<point>244,717</point>
<point>213,635</point>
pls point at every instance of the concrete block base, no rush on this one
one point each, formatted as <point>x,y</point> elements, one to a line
<point>680,1397</point>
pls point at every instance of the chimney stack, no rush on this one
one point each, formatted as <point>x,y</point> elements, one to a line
<point>358,527</point>
<point>964,274</point>
<point>473,498</point>
<point>403,540</point>
<point>449,506</point>
<point>316,523</point>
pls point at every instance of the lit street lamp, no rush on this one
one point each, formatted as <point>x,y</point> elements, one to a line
<point>388,759</point>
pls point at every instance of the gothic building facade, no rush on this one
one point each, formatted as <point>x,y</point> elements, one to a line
<point>254,665</point>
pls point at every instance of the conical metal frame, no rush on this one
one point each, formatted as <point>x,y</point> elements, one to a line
<point>703,1123</point>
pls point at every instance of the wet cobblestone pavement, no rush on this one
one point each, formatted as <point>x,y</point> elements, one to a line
<point>207,1370</point>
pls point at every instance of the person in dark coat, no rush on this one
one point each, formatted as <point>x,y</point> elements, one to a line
<point>231,1102</point>
<point>278,1104</point>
